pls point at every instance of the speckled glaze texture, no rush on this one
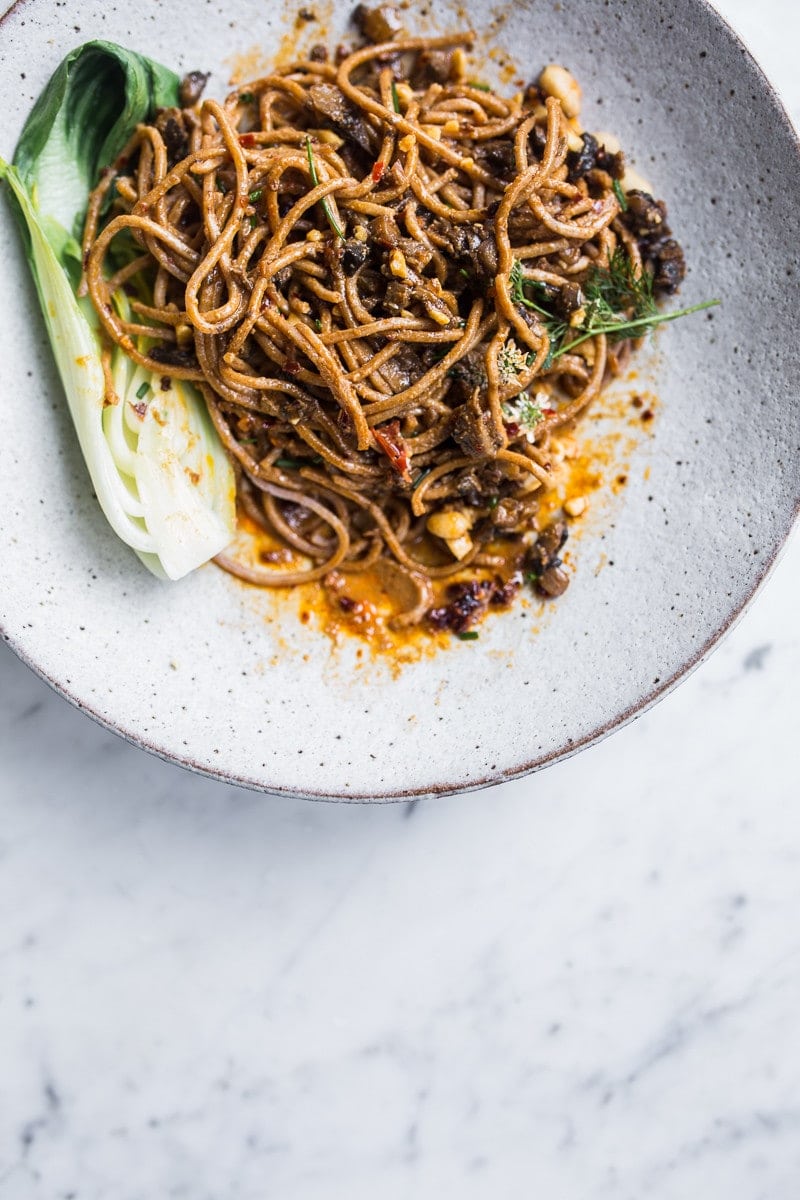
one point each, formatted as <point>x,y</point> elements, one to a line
<point>203,671</point>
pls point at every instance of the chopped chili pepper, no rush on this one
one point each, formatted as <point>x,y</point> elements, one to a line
<point>391,442</point>
<point>377,172</point>
<point>247,140</point>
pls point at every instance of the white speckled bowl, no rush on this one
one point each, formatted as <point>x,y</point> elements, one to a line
<point>198,671</point>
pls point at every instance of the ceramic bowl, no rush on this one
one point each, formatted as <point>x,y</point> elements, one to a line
<point>214,676</point>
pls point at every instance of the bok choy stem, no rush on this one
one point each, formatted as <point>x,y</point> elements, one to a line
<point>160,472</point>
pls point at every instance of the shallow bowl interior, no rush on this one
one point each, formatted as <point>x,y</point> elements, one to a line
<point>223,680</point>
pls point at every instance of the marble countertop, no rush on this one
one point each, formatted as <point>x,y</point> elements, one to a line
<point>579,985</point>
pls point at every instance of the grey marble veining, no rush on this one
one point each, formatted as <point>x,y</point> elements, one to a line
<point>581,986</point>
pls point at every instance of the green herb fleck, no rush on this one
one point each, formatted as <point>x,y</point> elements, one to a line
<point>326,208</point>
<point>289,464</point>
<point>493,503</point>
<point>422,475</point>
<point>622,199</point>
<point>256,195</point>
<point>395,98</point>
<point>469,636</point>
<point>246,97</point>
<point>478,85</point>
<point>143,390</point>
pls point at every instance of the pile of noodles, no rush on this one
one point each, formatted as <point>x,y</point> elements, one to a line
<point>255,242</point>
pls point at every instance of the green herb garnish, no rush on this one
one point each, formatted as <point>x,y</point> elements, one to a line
<point>395,98</point>
<point>326,208</point>
<point>618,303</point>
<point>523,411</point>
<point>622,199</point>
<point>478,85</point>
<point>256,195</point>
<point>246,97</point>
<point>422,475</point>
<point>144,389</point>
<point>469,636</point>
<point>289,464</point>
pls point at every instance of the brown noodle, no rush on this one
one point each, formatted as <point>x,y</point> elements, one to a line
<point>366,382</point>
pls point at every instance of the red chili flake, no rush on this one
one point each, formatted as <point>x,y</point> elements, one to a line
<point>377,172</point>
<point>291,366</point>
<point>247,140</point>
<point>512,428</point>
<point>391,442</point>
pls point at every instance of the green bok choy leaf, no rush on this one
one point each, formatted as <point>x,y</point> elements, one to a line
<point>161,474</point>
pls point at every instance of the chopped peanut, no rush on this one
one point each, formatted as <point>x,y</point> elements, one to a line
<point>575,506</point>
<point>573,141</point>
<point>460,547</point>
<point>556,81</point>
<point>449,524</point>
<point>632,181</point>
<point>609,142</point>
<point>397,264</point>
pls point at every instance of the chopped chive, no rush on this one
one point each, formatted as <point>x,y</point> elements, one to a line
<point>395,98</point>
<point>253,222</point>
<point>143,390</point>
<point>256,195</point>
<point>476,83</point>
<point>467,637</point>
<point>318,324</point>
<point>621,197</point>
<point>326,208</point>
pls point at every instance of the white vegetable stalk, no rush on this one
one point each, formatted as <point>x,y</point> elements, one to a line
<point>161,474</point>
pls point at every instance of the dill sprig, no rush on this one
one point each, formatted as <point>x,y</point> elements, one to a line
<point>618,303</point>
<point>326,208</point>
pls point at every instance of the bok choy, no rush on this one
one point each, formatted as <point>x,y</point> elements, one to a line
<point>160,472</point>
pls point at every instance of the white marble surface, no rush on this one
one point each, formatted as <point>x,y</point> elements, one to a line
<point>580,985</point>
